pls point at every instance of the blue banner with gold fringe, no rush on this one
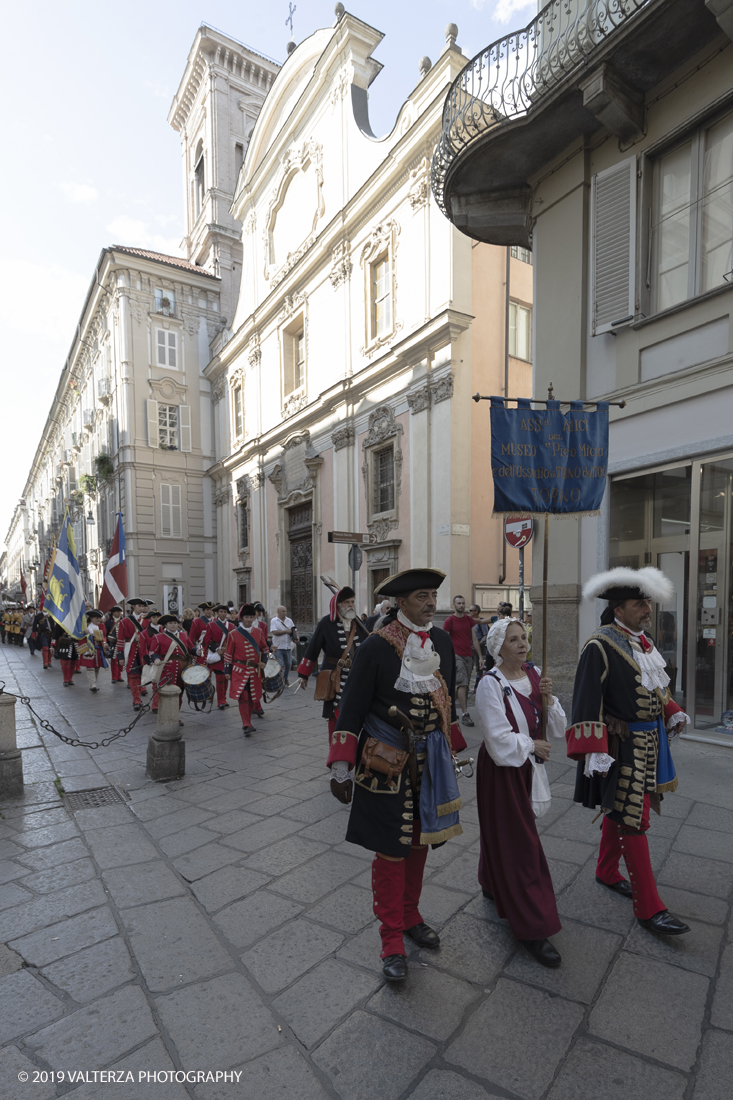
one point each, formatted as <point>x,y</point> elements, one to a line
<point>548,461</point>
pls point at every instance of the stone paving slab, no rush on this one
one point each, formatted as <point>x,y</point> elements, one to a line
<point>92,971</point>
<point>237,1025</point>
<point>510,1010</point>
<point>367,1057</point>
<point>432,1002</point>
<point>246,921</point>
<point>607,1073</point>
<point>653,1009</point>
<point>12,1062</point>
<point>173,943</point>
<point>227,885</point>
<point>716,1068</point>
<point>282,957</point>
<point>280,1075</point>
<point>698,950</point>
<point>97,1035</point>
<point>50,908</point>
<point>586,956</point>
<point>317,1002</point>
<point>705,876</point>
<point>141,883</point>
<point>722,1009</point>
<point>25,1005</point>
<point>66,937</point>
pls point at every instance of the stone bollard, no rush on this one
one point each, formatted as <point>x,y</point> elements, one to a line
<point>11,760</point>
<point>166,751</point>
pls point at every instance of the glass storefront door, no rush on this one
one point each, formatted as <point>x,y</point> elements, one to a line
<point>680,519</point>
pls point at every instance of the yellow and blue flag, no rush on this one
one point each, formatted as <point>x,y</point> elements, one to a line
<point>65,601</point>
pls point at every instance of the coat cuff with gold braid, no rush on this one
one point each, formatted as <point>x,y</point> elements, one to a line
<point>305,668</point>
<point>585,737</point>
<point>342,745</point>
<point>457,740</point>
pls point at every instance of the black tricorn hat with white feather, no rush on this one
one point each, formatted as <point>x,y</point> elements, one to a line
<point>617,585</point>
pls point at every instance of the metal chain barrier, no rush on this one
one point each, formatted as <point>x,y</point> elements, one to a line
<point>74,741</point>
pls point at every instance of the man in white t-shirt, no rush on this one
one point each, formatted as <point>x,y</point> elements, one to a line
<point>283,634</point>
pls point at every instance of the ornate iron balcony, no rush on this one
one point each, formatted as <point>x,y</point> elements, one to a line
<point>509,77</point>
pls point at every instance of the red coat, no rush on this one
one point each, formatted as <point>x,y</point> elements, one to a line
<point>199,625</point>
<point>215,633</point>
<point>242,661</point>
<point>130,631</point>
<point>161,643</point>
<point>93,656</point>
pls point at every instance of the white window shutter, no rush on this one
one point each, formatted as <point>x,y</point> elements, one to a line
<point>172,350</point>
<point>184,426</point>
<point>175,511</point>
<point>165,510</point>
<point>153,437</point>
<point>613,245</point>
<point>161,358</point>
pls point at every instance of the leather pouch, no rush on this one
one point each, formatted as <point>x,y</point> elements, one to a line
<point>326,682</point>
<point>376,756</point>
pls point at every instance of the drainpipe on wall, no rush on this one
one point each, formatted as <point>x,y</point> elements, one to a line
<point>502,578</point>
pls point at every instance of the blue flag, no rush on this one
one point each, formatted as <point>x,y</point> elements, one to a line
<point>65,597</point>
<point>545,460</point>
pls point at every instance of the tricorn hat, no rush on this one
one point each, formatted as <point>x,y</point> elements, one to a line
<point>165,619</point>
<point>247,609</point>
<point>94,614</point>
<point>135,600</point>
<point>409,580</point>
<point>622,583</point>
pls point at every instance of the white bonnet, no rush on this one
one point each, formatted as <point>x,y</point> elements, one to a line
<point>495,638</point>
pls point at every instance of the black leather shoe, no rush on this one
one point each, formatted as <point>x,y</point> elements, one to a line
<point>543,952</point>
<point>665,924</point>
<point>423,936</point>
<point>621,887</point>
<point>394,968</point>
<point>248,730</point>
<point>260,713</point>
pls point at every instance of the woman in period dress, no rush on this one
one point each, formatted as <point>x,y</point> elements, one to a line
<point>513,870</point>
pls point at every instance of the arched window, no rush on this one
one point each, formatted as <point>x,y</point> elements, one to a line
<point>199,180</point>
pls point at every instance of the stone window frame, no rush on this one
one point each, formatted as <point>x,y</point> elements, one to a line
<point>380,245</point>
<point>383,430</point>
<point>244,515</point>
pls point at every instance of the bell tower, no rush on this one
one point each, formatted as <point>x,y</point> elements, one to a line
<point>214,110</point>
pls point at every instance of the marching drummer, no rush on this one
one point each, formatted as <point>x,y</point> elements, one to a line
<point>171,648</point>
<point>242,658</point>
<point>213,641</point>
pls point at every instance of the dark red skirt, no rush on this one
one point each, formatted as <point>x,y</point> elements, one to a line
<point>512,864</point>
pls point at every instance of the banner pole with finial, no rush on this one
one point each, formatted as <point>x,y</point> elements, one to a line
<point>545,556</point>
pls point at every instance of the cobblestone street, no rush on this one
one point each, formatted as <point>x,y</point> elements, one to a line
<point>222,923</point>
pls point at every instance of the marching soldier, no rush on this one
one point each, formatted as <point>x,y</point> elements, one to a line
<point>213,641</point>
<point>169,638</point>
<point>337,636</point>
<point>132,648</point>
<point>397,729</point>
<point>242,659</point>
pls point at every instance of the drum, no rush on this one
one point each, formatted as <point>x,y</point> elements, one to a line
<point>198,685</point>
<point>273,681</point>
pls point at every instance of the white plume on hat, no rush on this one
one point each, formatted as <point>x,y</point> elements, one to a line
<point>655,584</point>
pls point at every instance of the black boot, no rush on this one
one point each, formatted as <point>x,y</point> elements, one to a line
<point>543,952</point>
<point>394,968</point>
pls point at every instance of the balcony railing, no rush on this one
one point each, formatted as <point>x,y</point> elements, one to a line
<point>513,74</point>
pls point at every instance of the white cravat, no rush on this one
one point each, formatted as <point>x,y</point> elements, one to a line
<point>418,649</point>
<point>651,665</point>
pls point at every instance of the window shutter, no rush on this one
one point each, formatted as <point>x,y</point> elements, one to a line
<point>172,349</point>
<point>184,426</point>
<point>161,356</point>
<point>175,511</point>
<point>613,245</point>
<point>165,510</point>
<point>153,438</point>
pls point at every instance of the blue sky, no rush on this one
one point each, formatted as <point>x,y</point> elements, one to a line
<point>90,159</point>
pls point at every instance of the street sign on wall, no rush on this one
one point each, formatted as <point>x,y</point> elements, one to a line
<point>356,557</point>
<point>518,530</point>
<point>351,537</point>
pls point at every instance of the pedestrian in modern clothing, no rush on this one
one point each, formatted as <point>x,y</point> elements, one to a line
<point>374,621</point>
<point>284,634</point>
<point>459,626</point>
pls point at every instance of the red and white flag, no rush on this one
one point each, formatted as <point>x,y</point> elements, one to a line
<point>114,589</point>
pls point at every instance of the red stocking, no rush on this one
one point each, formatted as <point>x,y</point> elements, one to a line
<point>414,870</point>
<point>635,850</point>
<point>46,657</point>
<point>67,667</point>
<point>133,680</point>
<point>388,891</point>
<point>609,854</point>
<point>221,689</point>
<point>245,709</point>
